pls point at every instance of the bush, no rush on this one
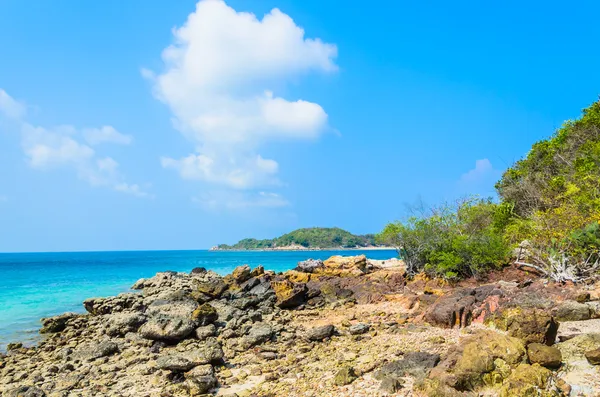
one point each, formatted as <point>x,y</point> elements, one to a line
<point>453,241</point>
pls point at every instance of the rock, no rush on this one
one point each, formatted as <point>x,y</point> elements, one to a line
<point>13,346</point>
<point>26,391</point>
<point>391,263</point>
<point>104,349</point>
<point>530,325</point>
<point>297,277</point>
<point>198,270</point>
<point>181,306</point>
<point>573,311</point>
<point>309,265</point>
<point>391,385</point>
<point>201,384</point>
<point>257,271</point>
<point>289,295</point>
<point>114,304</point>
<point>483,358</point>
<point>120,324</point>
<point>343,266</point>
<point>206,331</point>
<point>167,328</point>
<point>581,296</point>
<point>56,324</point>
<point>574,349</point>
<point>345,376</point>
<point>259,333</point>
<point>241,274</point>
<point>200,370</point>
<point>205,314</point>
<point>546,356</point>
<point>452,310</point>
<point>138,285</point>
<point>593,356</point>
<point>359,329</point>
<point>209,352</point>
<point>527,380</point>
<point>213,288</point>
<point>416,364</point>
<point>317,334</point>
<point>174,363</point>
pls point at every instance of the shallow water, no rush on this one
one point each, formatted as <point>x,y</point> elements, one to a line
<point>36,285</point>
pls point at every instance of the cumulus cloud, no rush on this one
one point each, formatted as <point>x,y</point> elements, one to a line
<point>483,169</point>
<point>223,200</point>
<point>53,148</point>
<point>218,83</point>
<point>11,108</point>
<point>67,147</point>
<point>106,134</point>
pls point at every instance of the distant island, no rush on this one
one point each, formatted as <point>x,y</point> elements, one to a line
<point>314,238</point>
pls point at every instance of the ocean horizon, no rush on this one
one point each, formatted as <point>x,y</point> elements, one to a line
<point>42,284</point>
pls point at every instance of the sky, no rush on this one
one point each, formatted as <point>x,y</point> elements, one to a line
<point>136,125</point>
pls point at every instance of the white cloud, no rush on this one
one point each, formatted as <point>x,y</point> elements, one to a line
<point>63,147</point>
<point>218,81</point>
<point>483,169</point>
<point>11,108</point>
<point>53,148</point>
<point>106,134</point>
<point>223,200</point>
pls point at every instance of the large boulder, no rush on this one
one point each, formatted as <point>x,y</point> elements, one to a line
<point>573,311</point>
<point>530,325</point>
<point>454,310</point>
<point>593,356</point>
<point>241,274</point>
<point>114,304</point>
<point>167,328</point>
<point>175,308</point>
<point>416,364</point>
<point>289,295</point>
<point>485,358</point>
<point>259,333</point>
<point>26,391</point>
<point>119,324</point>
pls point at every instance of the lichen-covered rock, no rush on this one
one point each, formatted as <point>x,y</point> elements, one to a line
<point>174,363</point>
<point>213,287</point>
<point>182,307</point>
<point>205,314</point>
<point>483,358</point>
<point>114,304</point>
<point>259,333</point>
<point>345,376</point>
<point>343,266</point>
<point>546,356</point>
<point>206,331</point>
<point>573,311</point>
<point>241,274</point>
<point>317,334</point>
<point>528,381</point>
<point>289,295</point>
<point>530,325</point>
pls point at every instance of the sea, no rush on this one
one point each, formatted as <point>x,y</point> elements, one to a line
<point>36,285</point>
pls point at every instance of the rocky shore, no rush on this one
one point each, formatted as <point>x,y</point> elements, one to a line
<point>346,326</point>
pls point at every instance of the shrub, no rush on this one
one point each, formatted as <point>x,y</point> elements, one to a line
<point>452,241</point>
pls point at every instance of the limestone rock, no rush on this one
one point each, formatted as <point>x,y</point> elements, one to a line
<point>213,288</point>
<point>546,356</point>
<point>120,324</point>
<point>174,363</point>
<point>241,274</point>
<point>206,331</point>
<point>309,265</point>
<point>416,364</point>
<point>167,328</point>
<point>359,329</point>
<point>26,391</point>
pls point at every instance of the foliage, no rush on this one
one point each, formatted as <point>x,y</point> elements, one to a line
<point>316,237</point>
<point>452,241</point>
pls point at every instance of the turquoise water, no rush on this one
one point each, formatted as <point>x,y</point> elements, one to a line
<point>36,285</point>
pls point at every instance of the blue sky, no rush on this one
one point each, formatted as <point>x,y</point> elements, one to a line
<point>180,125</point>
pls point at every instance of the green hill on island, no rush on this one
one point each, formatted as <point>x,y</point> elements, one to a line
<point>309,238</point>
